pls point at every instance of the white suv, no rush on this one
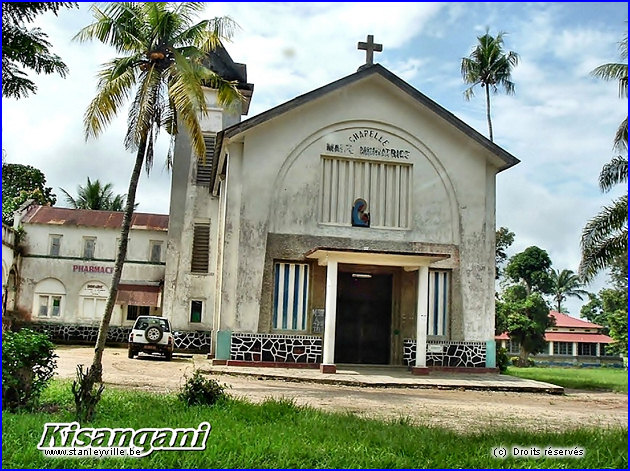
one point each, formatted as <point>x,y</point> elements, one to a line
<point>151,334</point>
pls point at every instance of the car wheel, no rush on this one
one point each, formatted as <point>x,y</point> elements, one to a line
<point>130,353</point>
<point>153,334</point>
<point>168,356</point>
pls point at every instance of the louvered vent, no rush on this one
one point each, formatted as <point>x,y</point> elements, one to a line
<point>201,248</point>
<point>204,170</point>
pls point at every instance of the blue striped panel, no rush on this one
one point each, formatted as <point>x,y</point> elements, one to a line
<point>438,302</point>
<point>436,294</point>
<point>304,296</point>
<point>445,301</point>
<point>285,297</point>
<point>290,296</point>
<point>296,293</point>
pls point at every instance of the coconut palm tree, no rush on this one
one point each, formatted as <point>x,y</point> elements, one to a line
<point>161,47</point>
<point>491,67</point>
<point>95,195</point>
<point>566,284</point>
<point>605,236</point>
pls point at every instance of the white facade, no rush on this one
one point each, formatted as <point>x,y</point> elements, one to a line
<point>9,269</point>
<point>68,261</point>
<point>283,188</point>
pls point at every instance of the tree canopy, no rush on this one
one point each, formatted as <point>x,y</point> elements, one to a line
<point>96,195</point>
<point>490,67</point>
<point>531,268</point>
<point>24,48</point>
<point>21,183</point>
<point>504,239</point>
<point>521,310</point>
<point>566,284</point>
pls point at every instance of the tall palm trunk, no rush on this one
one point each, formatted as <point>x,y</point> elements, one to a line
<point>487,87</point>
<point>97,364</point>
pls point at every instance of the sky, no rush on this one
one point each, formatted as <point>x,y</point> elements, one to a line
<point>560,122</point>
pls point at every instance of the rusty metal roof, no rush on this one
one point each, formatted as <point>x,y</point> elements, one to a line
<point>90,218</point>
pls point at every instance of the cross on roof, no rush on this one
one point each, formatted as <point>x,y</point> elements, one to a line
<point>369,47</point>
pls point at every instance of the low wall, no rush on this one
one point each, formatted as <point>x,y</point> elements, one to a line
<point>276,348</point>
<point>447,353</point>
<point>193,341</point>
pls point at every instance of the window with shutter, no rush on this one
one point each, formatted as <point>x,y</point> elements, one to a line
<point>204,169</point>
<point>55,245</point>
<point>385,188</point>
<point>437,321</point>
<point>290,299</point>
<point>201,248</point>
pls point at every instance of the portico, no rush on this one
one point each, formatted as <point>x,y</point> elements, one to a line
<point>331,258</point>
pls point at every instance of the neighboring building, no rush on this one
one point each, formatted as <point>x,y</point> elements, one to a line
<point>68,260</point>
<point>9,271</point>
<point>570,341</point>
<point>333,228</point>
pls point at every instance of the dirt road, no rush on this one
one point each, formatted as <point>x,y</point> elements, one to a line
<point>460,410</point>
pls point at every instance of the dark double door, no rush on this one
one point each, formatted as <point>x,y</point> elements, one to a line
<point>364,316</point>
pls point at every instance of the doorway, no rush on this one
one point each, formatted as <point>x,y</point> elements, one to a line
<point>364,316</point>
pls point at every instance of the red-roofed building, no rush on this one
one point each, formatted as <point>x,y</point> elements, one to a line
<point>569,341</point>
<point>67,260</point>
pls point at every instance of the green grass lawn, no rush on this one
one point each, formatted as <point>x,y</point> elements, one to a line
<point>578,378</point>
<point>279,434</point>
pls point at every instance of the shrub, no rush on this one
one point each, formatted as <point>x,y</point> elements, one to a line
<point>503,361</point>
<point>202,391</point>
<point>514,361</point>
<point>28,364</point>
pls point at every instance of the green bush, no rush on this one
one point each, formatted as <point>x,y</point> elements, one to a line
<point>28,364</point>
<point>514,361</point>
<point>503,361</point>
<point>201,391</point>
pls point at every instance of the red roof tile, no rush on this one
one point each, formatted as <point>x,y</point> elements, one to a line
<point>568,337</point>
<point>577,337</point>
<point>563,320</point>
<point>91,218</point>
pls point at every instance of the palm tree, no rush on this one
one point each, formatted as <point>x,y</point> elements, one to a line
<point>605,236</point>
<point>95,195</point>
<point>566,284</point>
<point>161,70</point>
<point>491,67</point>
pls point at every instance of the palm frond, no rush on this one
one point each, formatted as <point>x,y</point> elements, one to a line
<point>116,80</point>
<point>621,137</point>
<point>69,199</point>
<point>614,71</point>
<point>187,97</point>
<point>144,111</point>
<point>608,221</point>
<point>117,25</point>
<point>613,173</point>
<point>600,256</point>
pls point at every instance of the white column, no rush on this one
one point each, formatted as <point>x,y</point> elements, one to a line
<point>597,350</point>
<point>331,313</point>
<point>550,347</point>
<point>575,349</point>
<point>421,317</point>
